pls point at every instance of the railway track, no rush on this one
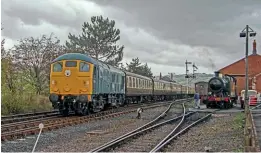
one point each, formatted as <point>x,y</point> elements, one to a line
<point>28,116</point>
<point>24,128</point>
<point>152,133</point>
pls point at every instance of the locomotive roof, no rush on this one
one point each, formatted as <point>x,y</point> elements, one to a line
<point>201,82</point>
<point>75,56</point>
<point>137,75</point>
<point>82,57</point>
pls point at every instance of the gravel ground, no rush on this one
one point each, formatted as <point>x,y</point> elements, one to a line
<point>222,133</point>
<point>148,140</point>
<point>76,138</point>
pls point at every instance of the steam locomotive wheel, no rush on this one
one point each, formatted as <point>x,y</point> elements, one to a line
<point>222,105</point>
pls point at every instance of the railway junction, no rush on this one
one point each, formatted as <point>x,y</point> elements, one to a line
<point>167,126</point>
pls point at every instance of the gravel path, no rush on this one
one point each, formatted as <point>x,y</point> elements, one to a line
<point>222,133</point>
<point>77,139</point>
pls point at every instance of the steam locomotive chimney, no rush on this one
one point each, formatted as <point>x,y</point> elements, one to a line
<point>254,47</point>
<point>216,74</point>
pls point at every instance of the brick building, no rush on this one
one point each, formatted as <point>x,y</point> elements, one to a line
<point>254,71</point>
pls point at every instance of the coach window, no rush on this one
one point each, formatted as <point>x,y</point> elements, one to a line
<point>113,77</point>
<point>134,82</point>
<point>130,80</point>
<point>140,83</point>
<point>84,67</point>
<point>137,83</point>
<point>58,67</point>
<point>118,78</point>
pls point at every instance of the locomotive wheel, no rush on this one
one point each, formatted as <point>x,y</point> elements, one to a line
<point>222,105</point>
<point>65,112</point>
<point>86,110</point>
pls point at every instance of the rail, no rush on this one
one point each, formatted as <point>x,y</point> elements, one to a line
<point>251,139</point>
<point>167,140</point>
<point>139,130</point>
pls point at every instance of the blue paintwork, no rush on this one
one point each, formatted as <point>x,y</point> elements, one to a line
<point>106,84</point>
<point>75,56</point>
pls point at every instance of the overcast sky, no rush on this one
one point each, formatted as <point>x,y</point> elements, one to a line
<point>163,33</point>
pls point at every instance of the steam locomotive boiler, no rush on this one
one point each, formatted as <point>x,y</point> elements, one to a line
<point>222,92</point>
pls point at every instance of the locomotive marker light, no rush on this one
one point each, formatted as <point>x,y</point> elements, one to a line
<point>41,126</point>
<point>246,32</point>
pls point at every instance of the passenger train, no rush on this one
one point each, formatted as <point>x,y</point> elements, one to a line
<point>84,85</point>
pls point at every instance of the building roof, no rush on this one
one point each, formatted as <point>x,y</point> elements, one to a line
<point>249,57</point>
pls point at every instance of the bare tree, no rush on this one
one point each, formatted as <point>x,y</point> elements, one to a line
<point>32,59</point>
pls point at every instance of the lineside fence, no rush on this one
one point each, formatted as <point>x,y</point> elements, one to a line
<point>251,138</point>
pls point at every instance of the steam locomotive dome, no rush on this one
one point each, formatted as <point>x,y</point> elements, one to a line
<point>216,84</point>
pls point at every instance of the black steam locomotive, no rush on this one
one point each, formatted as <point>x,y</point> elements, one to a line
<point>222,92</point>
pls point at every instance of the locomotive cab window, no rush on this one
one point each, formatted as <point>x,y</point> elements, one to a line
<point>58,67</point>
<point>70,63</point>
<point>84,67</point>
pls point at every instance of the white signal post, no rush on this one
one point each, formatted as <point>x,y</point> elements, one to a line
<point>41,126</point>
<point>188,76</point>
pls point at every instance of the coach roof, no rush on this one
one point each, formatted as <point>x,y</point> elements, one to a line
<point>75,56</point>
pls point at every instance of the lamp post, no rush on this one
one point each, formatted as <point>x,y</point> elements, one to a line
<point>246,32</point>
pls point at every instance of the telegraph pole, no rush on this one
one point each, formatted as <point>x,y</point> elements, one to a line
<point>245,33</point>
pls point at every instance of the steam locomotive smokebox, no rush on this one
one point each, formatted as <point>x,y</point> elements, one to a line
<point>218,84</point>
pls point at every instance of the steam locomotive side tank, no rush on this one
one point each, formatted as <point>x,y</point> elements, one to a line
<point>222,92</point>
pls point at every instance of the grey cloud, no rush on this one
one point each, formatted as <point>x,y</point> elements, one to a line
<point>192,22</point>
<point>163,32</point>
